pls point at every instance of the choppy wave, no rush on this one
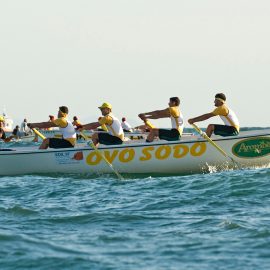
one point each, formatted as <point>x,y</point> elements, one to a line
<point>202,221</point>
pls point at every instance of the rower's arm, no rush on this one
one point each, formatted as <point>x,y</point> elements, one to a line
<point>89,126</point>
<point>200,118</point>
<point>156,114</point>
<point>42,125</point>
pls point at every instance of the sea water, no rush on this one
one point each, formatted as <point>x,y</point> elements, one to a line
<point>218,220</point>
<point>203,221</point>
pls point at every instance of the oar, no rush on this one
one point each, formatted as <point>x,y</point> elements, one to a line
<point>39,134</point>
<point>149,124</point>
<point>214,144</point>
<point>102,156</point>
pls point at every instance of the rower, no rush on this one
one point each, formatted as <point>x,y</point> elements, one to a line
<point>231,127</point>
<point>76,123</point>
<point>16,132</point>
<point>173,112</point>
<point>68,139</point>
<point>125,125</point>
<point>24,129</point>
<point>3,135</point>
<point>115,134</point>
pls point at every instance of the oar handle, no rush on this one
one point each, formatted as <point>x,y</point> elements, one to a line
<point>215,145</point>
<point>210,141</point>
<point>84,136</point>
<point>198,130</point>
<point>39,134</point>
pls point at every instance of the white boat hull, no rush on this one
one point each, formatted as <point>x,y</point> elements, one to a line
<point>190,155</point>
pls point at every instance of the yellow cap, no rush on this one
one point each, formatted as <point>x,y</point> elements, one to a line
<point>2,119</point>
<point>105,105</point>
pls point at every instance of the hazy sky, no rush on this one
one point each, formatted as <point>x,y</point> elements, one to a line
<point>135,55</point>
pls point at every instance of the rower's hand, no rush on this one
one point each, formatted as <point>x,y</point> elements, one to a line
<point>142,116</point>
<point>191,121</point>
<point>79,128</point>
<point>30,125</point>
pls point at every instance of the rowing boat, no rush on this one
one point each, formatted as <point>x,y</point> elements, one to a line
<point>192,154</point>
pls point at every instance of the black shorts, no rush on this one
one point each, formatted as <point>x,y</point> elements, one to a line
<point>59,143</point>
<point>169,134</point>
<point>4,136</point>
<point>106,138</point>
<point>225,130</point>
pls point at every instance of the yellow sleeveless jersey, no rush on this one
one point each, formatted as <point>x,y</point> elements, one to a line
<point>113,125</point>
<point>67,129</point>
<point>177,119</point>
<point>228,116</point>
